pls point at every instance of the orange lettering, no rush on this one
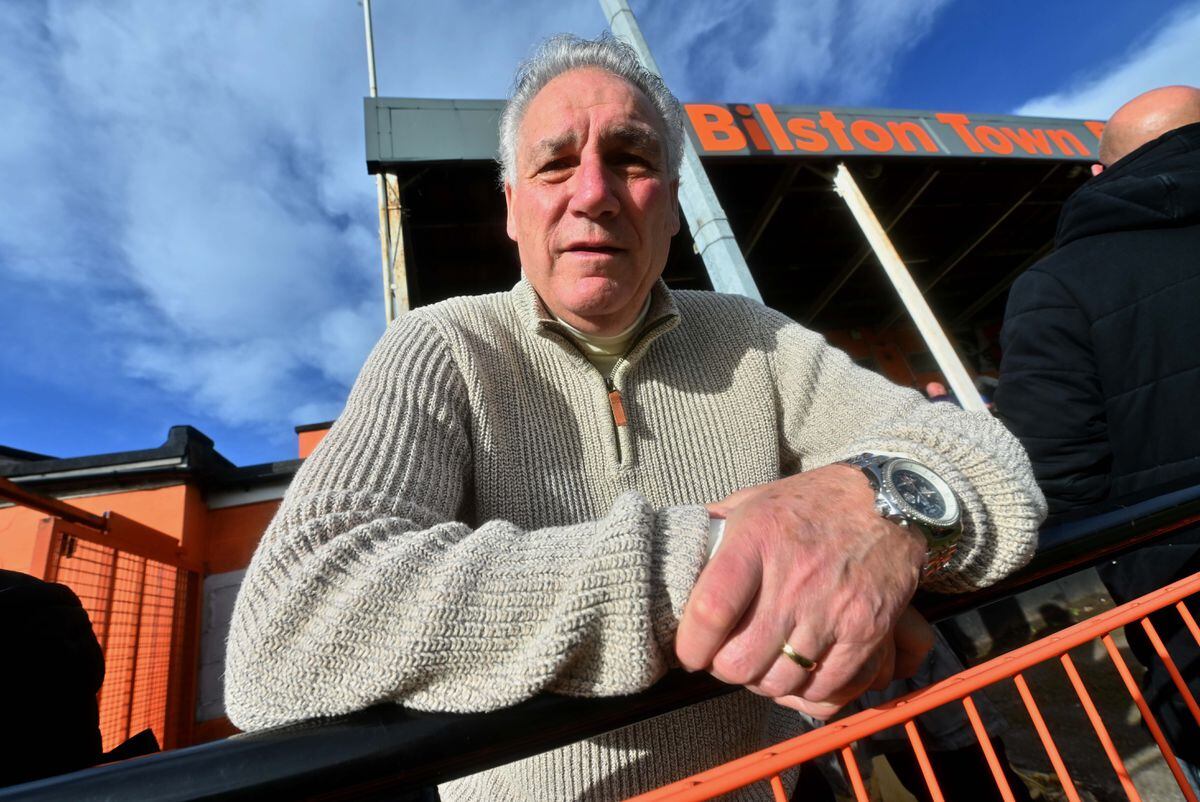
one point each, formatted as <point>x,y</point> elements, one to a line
<point>901,132</point>
<point>1095,127</point>
<point>872,135</point>
<point>714,127</point>
<point>807,137</point>
<point>1029,141</point>
<point>782,140</point>
<point>993,139</point>
<point>1064,139</point>
<point>836,127</point>
<point>753,128</point>
<point>959,123</point>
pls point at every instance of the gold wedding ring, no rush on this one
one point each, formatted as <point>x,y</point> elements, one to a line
<point>798,659</point>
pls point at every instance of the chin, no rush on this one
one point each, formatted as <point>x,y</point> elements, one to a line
<point>596,295</point>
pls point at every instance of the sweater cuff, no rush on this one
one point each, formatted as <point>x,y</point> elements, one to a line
<point>680,551</point>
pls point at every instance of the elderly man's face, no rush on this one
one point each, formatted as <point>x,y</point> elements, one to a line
<point>592,208</point>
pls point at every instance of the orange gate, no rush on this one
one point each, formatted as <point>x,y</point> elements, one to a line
<point>839,737</point>
<point>142,597</point>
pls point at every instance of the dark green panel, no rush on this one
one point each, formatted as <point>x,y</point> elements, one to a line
<point>421,130</point>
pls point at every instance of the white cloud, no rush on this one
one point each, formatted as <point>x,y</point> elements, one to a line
<point>839,51</point>
<point>192,175</point>
<point>1168,55</point>
<point>185,181</point>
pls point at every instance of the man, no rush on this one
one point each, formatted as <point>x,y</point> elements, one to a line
<point>1100,369</point>
<point>53,671</point>
<point>513,501</point>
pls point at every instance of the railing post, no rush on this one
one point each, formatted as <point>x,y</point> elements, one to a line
<point>45,543</point>
<point>181,675</point>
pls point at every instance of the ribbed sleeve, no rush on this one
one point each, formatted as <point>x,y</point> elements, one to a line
<point>366,588</point>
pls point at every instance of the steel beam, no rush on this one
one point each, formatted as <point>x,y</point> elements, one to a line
<point>767,213</point>
<point>967,249</point>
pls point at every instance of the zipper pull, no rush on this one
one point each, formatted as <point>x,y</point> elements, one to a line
<point>614,401</point>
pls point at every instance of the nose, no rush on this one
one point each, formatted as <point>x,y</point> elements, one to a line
<point>593,194</point>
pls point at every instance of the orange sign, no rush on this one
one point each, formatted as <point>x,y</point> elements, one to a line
<point>739,129</point>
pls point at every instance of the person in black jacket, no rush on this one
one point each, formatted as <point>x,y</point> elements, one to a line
<point>49,675</point>
<point>1101,371</point>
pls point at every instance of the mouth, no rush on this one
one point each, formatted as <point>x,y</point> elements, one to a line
<point>592,249</point>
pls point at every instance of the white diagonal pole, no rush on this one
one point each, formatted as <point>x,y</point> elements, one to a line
<point>939,345</point>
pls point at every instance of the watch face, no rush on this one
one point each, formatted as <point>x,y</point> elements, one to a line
<point>923,494</point>
<point>920,493</point>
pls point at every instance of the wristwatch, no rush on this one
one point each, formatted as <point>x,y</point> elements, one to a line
<point>912,495</point>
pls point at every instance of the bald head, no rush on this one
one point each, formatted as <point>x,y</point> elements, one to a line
<point>1147,117</point>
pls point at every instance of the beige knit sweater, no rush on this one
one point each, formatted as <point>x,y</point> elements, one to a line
<point>476,530</point>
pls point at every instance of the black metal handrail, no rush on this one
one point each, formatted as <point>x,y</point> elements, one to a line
<point>386,750</point>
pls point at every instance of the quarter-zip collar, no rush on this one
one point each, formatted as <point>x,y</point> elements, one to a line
<point>662,316</point>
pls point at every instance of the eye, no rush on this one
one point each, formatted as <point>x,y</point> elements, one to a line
<point>630,159</point>
<point>556,165</point>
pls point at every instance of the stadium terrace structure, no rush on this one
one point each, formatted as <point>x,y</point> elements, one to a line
<point>969,200</point>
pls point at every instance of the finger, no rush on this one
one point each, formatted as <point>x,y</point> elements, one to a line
<point>788,676</point>
<point>887,665</point>
<point>914,639</point>
<point>725,590</point>
<point>783,678</point>
<point>722,508</point>
<point>822,711</point>
<point>753,653</point>
<point>846,672</point>
<point>752,647</point>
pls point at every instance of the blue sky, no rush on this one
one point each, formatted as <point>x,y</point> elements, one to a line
<point>188,232</point>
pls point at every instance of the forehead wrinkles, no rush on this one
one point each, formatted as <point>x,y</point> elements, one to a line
<point>622,133</point>
<point>561,115</point>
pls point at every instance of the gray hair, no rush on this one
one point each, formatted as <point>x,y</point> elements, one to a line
<point>565,52</point>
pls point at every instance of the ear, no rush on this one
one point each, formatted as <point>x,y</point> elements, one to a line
<point>510,221</point>
<point>674,221</point>
<point>1097,169</point>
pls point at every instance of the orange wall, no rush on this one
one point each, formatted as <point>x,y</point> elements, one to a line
<point>308,441</point>
<point>224,539</point>
<point>18,526</point>
<point>233,534</point>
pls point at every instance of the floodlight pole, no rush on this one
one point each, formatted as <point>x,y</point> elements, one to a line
<point>387,190</point>
<point>710,229</point>
<point>935,338</point>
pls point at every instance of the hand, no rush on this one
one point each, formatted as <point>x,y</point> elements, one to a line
<point>807,561</point>
<point>908,647</point>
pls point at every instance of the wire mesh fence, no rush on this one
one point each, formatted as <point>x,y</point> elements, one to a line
<point>137,608</point>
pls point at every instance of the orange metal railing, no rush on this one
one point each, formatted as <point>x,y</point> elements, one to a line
<point>387,749</point>
<point>839,737</point>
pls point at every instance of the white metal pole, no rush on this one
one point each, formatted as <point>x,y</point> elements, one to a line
<point>389,300</point>
<point>939,345</point>
<point>366,4</point>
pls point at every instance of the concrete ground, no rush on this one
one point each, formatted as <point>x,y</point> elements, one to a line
<point>1035,614</point>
